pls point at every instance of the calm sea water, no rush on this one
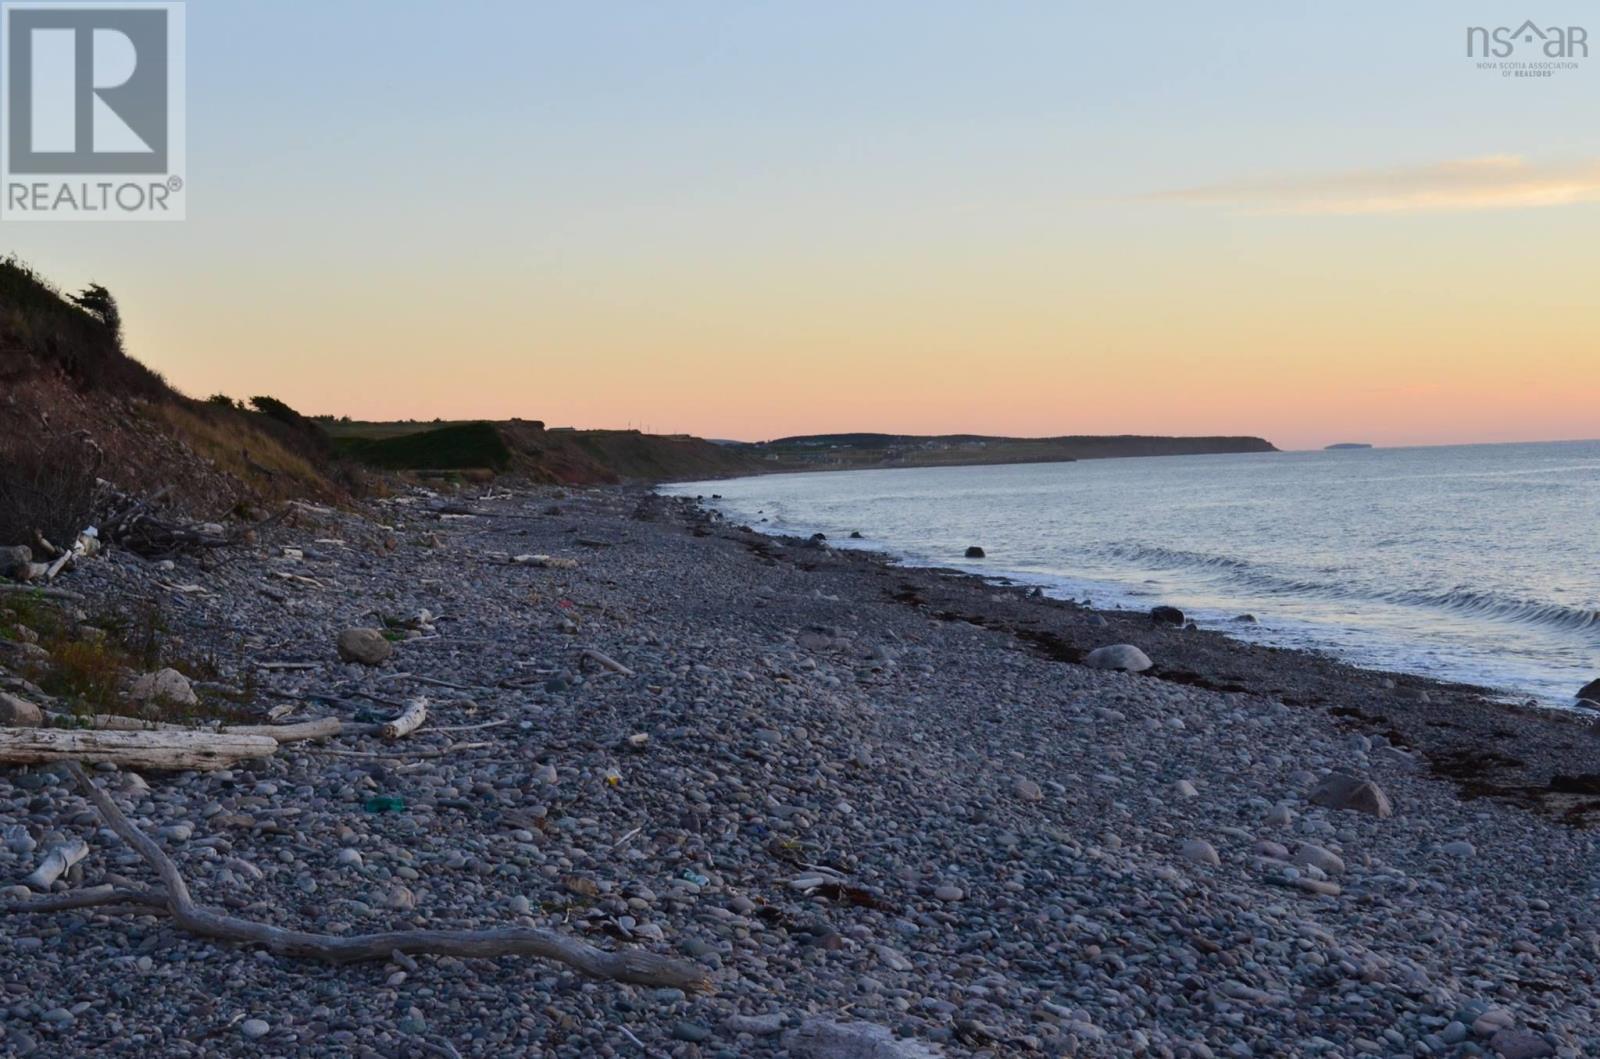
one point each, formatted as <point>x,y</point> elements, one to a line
<point>1473,563</point>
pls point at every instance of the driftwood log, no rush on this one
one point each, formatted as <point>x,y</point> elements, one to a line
<point>149,743</point>
<point>296,732</point>
<point>302,731</point>
<point>409,721</point>
<point>172,898</point>
<point>162,748</point>
<point>60,564</point>
<point>131,522</point>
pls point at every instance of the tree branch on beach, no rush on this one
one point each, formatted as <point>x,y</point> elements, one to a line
<point>632,966</point>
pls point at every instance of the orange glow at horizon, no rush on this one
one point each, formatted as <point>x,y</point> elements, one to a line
<point>1155,320</point>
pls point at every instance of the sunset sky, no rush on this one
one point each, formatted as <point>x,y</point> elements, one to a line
<point>1312,222</point>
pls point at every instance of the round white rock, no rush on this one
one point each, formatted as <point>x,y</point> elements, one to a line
<point>1123,656</point>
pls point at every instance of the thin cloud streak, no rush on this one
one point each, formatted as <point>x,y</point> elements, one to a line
<point>1495,182</point>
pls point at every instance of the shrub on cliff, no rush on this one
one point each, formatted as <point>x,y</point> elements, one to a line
<point>47,489</point>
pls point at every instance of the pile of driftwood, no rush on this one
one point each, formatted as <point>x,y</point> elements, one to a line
<point>136,744</point>
<point>131,522</point>
<point>128,521</point>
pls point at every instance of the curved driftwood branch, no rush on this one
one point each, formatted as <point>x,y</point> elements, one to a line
<point>634,966</point>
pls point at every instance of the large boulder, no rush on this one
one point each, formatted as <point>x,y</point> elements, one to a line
<point>1123,656</point>
<point>1323,860</point>
<point>164,686</point>
<point>1166,615</point>
<point>15,561</point>
<point>1338,791</point>
<point>19,713</point>
<point>1590,691</point>
<point>975,552</point>
<point>366,646</point>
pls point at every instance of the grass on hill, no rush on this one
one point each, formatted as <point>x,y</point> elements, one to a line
<point>240,444</point>
<point>454,447</point>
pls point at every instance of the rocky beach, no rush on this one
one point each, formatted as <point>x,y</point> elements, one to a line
<point>885,812</point>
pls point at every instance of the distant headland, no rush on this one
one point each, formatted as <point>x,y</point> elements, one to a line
<point>862,450</point>
<point>1346,445</point>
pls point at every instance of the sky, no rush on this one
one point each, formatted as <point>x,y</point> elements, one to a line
<point>1309,222</point>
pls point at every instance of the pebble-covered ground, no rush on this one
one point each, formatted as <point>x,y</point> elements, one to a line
<point>851,805</point>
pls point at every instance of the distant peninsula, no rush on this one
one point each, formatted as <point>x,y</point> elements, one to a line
<point>563,454</point>
<point>864,451</point>
<point>1340,445</point>
<point>528,448</point>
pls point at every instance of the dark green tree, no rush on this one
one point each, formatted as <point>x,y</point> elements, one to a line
<point>98,303</point>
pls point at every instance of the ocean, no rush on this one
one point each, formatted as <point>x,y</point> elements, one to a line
<point>1473,563</point>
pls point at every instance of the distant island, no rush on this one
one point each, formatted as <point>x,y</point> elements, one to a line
<point>1346,445</point>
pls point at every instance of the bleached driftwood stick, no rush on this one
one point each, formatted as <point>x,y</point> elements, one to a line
<point>418,678</point>
<point>409,721</point>
<point>634,966</point>
<point>301,731</point>
<point>159,749</point>
<point>56,863</point>
<point>296,732</point>
<point>59,565</point>
<point>606,661</point>
<point>470,727</point>
<point>408,755</point>
<point>314,728</point>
